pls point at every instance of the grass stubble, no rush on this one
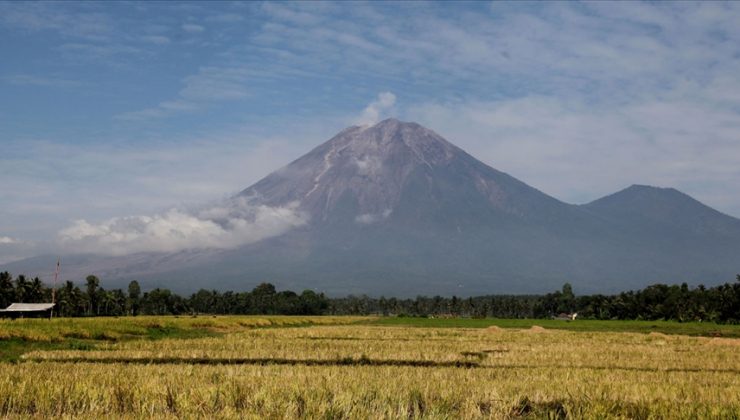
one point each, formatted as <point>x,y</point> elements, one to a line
<point>258,367</point>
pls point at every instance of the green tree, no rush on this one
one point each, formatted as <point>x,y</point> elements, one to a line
<point>567,299</point>
<point>134,297</point>
<point>263,297</point>
<point>454,306</point>
<point>204,301</point>
<point>120,303</point>
<point>92,283</point>
<point>162,302</point>
<point>7,292</point>
<point>312,303</point>
<point>65,300</point>
<point>22,288</point>
<point>36,291</point>
<point>79,301</point>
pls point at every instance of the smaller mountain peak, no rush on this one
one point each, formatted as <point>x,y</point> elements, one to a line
<point>637,196</point>
<point>639,187</point>
<point>645,187</point>
<point>650,189</point>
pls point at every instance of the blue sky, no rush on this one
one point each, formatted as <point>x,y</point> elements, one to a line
<point>118,109</point>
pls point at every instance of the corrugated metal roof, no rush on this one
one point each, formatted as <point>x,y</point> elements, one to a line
<point>28,307</point>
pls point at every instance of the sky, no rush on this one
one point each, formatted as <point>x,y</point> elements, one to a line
<point>118,118</point>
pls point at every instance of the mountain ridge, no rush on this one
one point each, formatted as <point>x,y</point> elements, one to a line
<point>394,208</point>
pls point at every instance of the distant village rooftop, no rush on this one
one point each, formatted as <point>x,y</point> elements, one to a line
<point>16,310</point>
<point>28,307</point>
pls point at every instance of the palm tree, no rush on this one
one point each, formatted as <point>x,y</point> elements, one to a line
<point>7,293</point>
<point>92,284</point>
<point>36,291</point>
<point>22,288</point>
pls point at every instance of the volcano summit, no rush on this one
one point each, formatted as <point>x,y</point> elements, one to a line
<point>396,209</point>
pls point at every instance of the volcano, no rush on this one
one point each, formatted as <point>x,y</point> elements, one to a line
<point>396,209</point>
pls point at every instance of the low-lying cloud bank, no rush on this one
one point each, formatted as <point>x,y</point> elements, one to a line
<point>6,240</point>
<point>230,224</point>
<point>369,218</point>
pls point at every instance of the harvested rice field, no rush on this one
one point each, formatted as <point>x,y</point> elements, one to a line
<point>342,367</point>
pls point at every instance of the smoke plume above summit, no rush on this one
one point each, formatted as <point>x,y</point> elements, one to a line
<point>376,109</point>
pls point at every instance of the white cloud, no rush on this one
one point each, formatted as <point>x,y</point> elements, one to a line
<point>105,182</point>
<point>377,108</point>
<point>225,18</point>
<point>97,51</point>
<point>290,14</point>
<point>230,224</point>
<point>368,165</point>
<point>369,218</point>
<point>57,17</point>
<point>98,182</point>
<point>215,83</point>
<point>209,85</point>
<point>192,28</point>
<point>156,39</point>
<point>578,152</point>
<point>578,100</point>
<point>31,80</point>
<point>12,249</point>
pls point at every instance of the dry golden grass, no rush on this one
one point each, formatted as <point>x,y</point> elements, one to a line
<point>131,327</point>
<point>361,371</point>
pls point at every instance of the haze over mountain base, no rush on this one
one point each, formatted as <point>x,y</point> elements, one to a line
<point>395,209</point>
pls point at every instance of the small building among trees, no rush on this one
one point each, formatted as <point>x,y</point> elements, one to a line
<point>27,310</point>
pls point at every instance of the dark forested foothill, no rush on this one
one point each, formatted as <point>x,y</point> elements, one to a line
<point>659,301</point>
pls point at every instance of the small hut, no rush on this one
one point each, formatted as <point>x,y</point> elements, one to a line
<point>566,317</point>
<point>27,310</point>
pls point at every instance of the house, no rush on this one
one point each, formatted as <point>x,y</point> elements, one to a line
<point>27,310</point>
<point>566,317</point>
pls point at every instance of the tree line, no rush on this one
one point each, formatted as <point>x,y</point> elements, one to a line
<point>660,301</point>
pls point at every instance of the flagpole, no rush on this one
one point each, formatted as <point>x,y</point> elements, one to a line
<point>54,287</point>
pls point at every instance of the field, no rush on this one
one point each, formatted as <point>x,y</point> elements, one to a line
<point>355,367</point>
